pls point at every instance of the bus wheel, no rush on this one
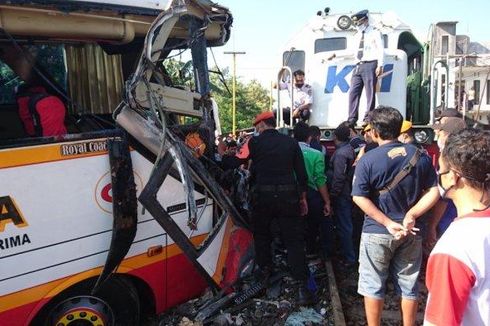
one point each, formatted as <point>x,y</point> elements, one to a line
<point>81,311</point>
<point>116,303</point>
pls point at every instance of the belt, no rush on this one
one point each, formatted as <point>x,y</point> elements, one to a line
<point>273,188</point>
<point>363,62</point>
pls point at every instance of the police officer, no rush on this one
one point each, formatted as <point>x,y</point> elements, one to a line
<point>279,184</point>
<point>370,56</point>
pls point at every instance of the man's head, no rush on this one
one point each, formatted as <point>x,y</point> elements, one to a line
<point>352,129</point>
<point>360,18</point>
<point>342,133</point>
<point>406,132</point>
<point>450,125</point>
<point>264,120</point>
<point>315,132</point>
<point>301,132</point>
<point>299,78</point>
<point>366,132</point>
<point>463,166</point>
<point>386,123</point>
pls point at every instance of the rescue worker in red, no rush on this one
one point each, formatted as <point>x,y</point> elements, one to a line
<point>279,184</point>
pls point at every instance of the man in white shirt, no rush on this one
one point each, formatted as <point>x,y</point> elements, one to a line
<point>370,56</point>
<point>303,98</point>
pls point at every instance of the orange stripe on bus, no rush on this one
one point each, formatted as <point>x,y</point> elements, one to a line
<point>36,293</point>
<point>21,156</point>
<point>217,277</point>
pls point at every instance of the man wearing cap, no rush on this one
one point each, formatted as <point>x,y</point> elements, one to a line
<point>369,54</point>
<point>447,113</point>
<point>406,135</point>
<point>448,125</point>
<point>444,211</point>
<point>279,183</point>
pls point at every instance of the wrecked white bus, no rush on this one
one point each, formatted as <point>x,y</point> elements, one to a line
<point>103,225</point>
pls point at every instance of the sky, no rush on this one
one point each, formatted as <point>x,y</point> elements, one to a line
<point>261,28</point>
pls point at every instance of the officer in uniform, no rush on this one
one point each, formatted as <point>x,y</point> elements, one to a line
<point>303,98</point>
<point>369,67</point>
<point>279,184</point>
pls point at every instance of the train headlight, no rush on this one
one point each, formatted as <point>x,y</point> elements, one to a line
<point>422,136</point>
<point>344,22</point>
<point>327,135</point>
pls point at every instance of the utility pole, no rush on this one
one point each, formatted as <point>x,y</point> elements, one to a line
<point>233,112</point>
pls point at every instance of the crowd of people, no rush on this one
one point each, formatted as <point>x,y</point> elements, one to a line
<point>408,205</point>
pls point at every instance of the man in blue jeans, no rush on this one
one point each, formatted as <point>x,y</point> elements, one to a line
<point>392,201</point>
<point>340,190</point>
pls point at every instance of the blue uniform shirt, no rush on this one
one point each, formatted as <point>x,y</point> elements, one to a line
<point>377,168</point>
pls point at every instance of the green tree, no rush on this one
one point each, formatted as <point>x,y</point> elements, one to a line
<point>251,99</point>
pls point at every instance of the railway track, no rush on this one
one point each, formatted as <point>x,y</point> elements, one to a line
<point>348,305</point>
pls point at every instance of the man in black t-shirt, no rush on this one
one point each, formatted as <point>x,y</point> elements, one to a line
<point>389,242</point>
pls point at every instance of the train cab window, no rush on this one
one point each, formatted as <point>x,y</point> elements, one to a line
<point>330,44</point>
<point>294,60</point>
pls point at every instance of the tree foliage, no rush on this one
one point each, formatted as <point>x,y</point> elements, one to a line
<point>251,98</point>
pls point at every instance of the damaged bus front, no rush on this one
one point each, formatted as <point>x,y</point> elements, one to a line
<point>75,244</point>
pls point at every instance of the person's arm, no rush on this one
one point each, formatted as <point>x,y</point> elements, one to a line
<point>426,202</point>
<point>360,154</point>
<point>449,281</point>
<point>327,206</point>
<point>340,168</point>
<point>321,183</point>
<point>429,197</point>
<point>372,211</point>
<point>380,53</point>
<point>282,85</point>
<point>436,214</point>
<point>301,178</point>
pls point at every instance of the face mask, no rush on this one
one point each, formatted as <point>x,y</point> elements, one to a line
<point>440,144</point>
<point>256,132</point>
<point>442,191</point>
<point>361,27</point>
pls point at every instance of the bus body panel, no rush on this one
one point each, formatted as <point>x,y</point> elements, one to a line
<point>61,195</point>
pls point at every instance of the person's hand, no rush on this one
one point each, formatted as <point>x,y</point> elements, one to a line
<point>296,113</point>
<point>409,224</point>
<point>303,207</point>
<point>327,209</point>
<point>379,71</point>
<point>396,230</point>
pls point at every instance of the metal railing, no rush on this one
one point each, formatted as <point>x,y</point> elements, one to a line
<point>280,109</point>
